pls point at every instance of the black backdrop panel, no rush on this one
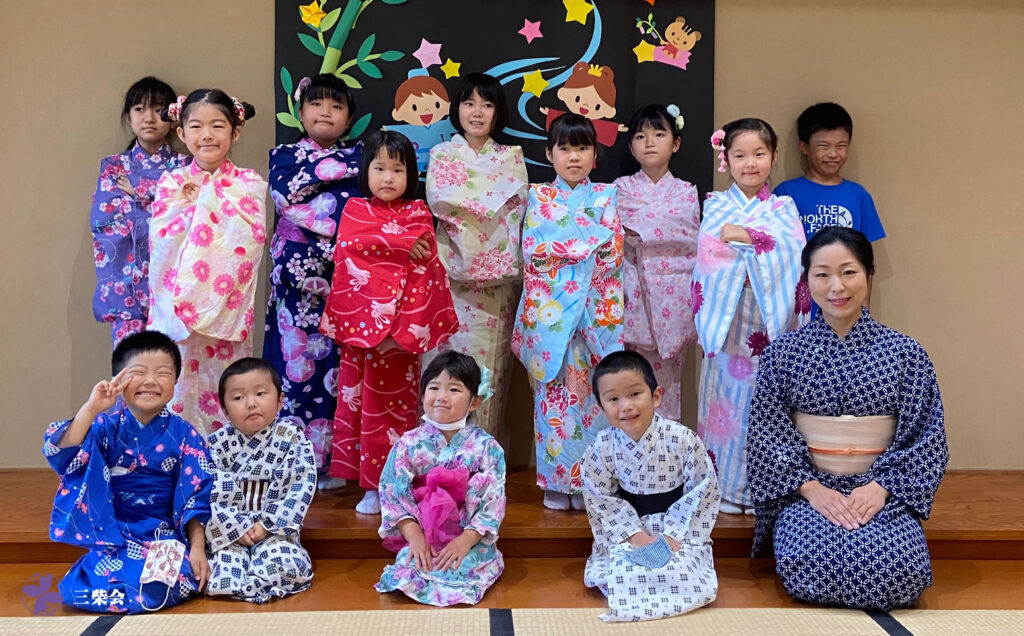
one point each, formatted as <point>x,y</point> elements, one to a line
<point>528,45</point>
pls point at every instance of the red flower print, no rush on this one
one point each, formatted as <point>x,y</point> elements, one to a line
<point>234,299</point>
<point>201,269</point>
<point>762,242</point>
<point>570,287</point>
<point>224,284</point>
<point>245,272</point>
<point>720,426</point>
<point>249,205</point>
<point>186,311</point>
<point>168,279</point>
<point>259,233</point>
<point>209,403</point>
<point>224,350</point>
<point>803,297</point>
<point>202,235</point>
<point>228,209</point>
<point>696,296</point>
<point>757,341</point>
<point>193,365</point>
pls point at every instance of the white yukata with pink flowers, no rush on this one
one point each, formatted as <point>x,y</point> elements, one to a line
<point>743,296</point>
<point>205,249</point>
<point>660,221</point>
<point>478,199</point>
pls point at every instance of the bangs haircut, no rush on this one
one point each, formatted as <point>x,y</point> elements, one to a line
<point>148,91</point>
<point>144,342</point>
<point>327,86</point>
<point>763,129</point>
<point>214,97</point>
<point>243,366</point>
<point>489,89</point>
<point>623,361</point>
<point>654,116</point>
<point>396,146</point>
<point>823,116</point>
<point>851,239</point>
<point>572,130</point>
<point>458,365</point>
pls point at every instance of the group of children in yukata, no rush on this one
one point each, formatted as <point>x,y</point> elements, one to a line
<point>193,467</point>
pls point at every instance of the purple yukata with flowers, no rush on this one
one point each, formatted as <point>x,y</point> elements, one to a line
<point>120,236</point>
<point>743,296</point>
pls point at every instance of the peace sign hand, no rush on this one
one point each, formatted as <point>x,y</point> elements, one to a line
<point>104,394</point>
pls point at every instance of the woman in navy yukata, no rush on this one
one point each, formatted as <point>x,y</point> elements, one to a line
<point>846,445</point>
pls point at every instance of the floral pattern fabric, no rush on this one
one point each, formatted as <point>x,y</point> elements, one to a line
<point>743,296</point>
<point>478,199</point>
<point>415,455</point>
<point>206,250</point>
<point>570,317</point>
<point>661,221</point>
<point>873,370</point>
<point>120,236</point>
<point>310,186</point>
<point>268,477</point>
<point>127,486</point>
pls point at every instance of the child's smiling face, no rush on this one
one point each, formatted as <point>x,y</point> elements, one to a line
<point>422,110</point>
<point>627,401</point>
<point>149,384</point>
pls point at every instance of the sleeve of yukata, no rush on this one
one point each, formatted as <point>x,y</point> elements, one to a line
<point>691,519</point>
<point>396,498</point>
<point>486,494</point>
<point>291,490</point>
<point>777,457</point>
<point>228,517</point>
<point>914,465</point>
<point>192,492</point>
<point>612,520</point>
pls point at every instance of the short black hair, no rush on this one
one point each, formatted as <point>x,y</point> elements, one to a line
<point>214,97</point>
<point>327,86</point>
<point>458,365</point>
<point>247,365</point>
<point>573,130</point>
<point>823,116</point>
<point>398,147</point>
<point>623,361</point>
<point>853,240</point>
<point>654,116</point>
<point>763,129</point>
<point>144,342</point>
<point>488,88</point>
<point>148,91</point>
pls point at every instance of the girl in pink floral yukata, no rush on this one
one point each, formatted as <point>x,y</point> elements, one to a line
<point>207,239</point>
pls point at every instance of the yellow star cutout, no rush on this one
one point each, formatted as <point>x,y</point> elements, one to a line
<point>534,83</point>
<point>312,14</point>
<point>577,10</point>
<point>451,69</point>
<point>644,51</point>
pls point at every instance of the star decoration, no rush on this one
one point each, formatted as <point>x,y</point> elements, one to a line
<point>577,10</point>
<point>530,30</point>
<point>312,14</point>
<point>428,53</point>
<point>534,83</point>
<point>650,2</point>
<point>644,51</point>
<point>451,69</point>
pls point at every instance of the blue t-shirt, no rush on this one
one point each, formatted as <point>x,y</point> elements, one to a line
<point>847,204</point>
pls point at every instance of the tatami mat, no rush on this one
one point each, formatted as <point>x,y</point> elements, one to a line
<point>961,622</point>
<point>46,626</point>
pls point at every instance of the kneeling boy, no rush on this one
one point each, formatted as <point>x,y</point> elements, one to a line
<point>652,500</point>
<point>264,479</point>
<point>134,487</point>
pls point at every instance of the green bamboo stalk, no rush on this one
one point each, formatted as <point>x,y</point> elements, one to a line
<point>340,36</point>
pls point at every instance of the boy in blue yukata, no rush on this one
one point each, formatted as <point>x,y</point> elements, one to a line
<point>822,196</point>
<point>134,487</point>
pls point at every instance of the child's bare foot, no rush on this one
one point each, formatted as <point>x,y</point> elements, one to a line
<point>370,504</point>
<point>556,500</point>
<point>576,501</point>
<point>326,482</point>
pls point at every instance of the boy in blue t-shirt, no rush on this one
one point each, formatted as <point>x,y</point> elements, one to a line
<point>822,196</point>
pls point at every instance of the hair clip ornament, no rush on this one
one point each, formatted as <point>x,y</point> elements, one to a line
<point>239,110</point>
<point>674,111</point>
<point>174,108</point>
<point>485,390</point>
<point>717,142</point>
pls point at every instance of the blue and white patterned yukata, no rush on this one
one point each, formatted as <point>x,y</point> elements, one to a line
<point>874,370</point>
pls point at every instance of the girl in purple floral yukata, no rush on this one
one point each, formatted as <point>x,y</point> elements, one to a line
<point>121,208</point>
<point>745,292</point>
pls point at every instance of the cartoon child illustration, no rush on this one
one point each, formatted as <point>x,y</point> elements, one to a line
<point>422,102</point>
<point>590,91</point>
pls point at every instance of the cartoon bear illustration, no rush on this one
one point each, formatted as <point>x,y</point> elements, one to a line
<point>679,38</point>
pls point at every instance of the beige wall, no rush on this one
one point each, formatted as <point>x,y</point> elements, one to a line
<point>936,90</point>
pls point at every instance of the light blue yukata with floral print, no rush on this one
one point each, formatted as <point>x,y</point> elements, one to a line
<point>414,455</point>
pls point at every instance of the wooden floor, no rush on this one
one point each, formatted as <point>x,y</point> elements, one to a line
<point>976,536</point>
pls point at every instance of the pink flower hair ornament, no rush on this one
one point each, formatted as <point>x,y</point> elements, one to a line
<point>303,83</point>
<point>174,108</point>
<point>239,110</point>
<point>718,143</point>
